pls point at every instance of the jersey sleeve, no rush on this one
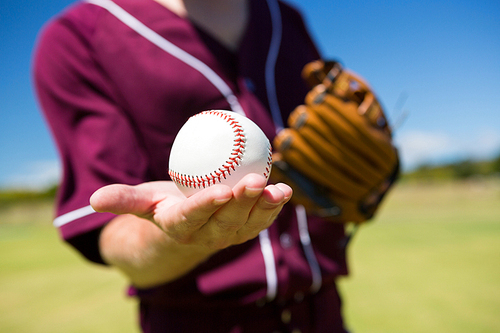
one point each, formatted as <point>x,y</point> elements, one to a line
<point>94,136</point>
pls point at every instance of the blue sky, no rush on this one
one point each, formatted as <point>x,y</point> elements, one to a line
<point>441,58</point>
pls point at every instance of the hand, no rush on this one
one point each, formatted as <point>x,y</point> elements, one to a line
<point>215,218</point>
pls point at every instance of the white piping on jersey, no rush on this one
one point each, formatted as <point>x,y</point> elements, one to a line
<point>266,248</point>
<point>272,56</point>
<point>305,239</point>
<point>172,49</point>
<point>73,215</point>
<point>272,97</point>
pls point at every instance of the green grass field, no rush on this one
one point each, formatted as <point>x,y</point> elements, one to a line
<point>429,262</point>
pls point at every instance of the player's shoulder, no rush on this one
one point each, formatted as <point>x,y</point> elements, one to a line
<point>78,20</point>
<point>64,43</point>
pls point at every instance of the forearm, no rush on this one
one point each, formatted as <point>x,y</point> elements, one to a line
<point>145,254</point>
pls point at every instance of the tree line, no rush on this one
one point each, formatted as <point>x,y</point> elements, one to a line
<point>460,170</point>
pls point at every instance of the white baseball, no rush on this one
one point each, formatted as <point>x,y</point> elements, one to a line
<point>218,147</point>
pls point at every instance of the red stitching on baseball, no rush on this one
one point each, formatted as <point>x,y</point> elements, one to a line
<point>235,159</point>
<point>231,164</point>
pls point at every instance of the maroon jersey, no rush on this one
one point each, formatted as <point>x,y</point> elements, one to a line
<point>115,100</point>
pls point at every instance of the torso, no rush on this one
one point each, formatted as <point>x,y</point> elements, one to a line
<point>156,93</point>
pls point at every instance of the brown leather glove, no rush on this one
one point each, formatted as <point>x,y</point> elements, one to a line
<point>337,153</point>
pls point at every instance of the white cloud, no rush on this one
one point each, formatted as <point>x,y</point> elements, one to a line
<point>486,143</point>
<point>418,147</point>
<point>37,175</point>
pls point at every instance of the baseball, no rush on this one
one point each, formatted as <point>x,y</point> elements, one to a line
<point>218,147</point>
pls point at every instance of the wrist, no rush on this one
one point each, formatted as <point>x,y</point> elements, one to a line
<point>145,254</point>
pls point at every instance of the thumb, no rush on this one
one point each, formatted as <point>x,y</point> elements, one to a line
<point>123,199</point>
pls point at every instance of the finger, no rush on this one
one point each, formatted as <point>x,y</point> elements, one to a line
<point>266,210</point>
<point>182,220</point>
<point>220,230</point>
<point>245,195</point>
<point>287,191</point>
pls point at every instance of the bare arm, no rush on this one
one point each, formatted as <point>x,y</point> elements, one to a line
<point>161,235</point>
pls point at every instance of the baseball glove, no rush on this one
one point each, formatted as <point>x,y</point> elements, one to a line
<point>337,153</point>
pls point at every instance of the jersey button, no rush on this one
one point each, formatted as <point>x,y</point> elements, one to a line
<point>286,240</point>
<point>286,316</point>
<point>299,296</point>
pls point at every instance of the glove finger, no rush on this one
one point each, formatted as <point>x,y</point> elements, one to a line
<point>372,136</point>
<point>320,137</point>
<point>373,112</point>
<point>376,149</point>
<point>315,72</point>
<point>299,155</point>
<point>347,88</point>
